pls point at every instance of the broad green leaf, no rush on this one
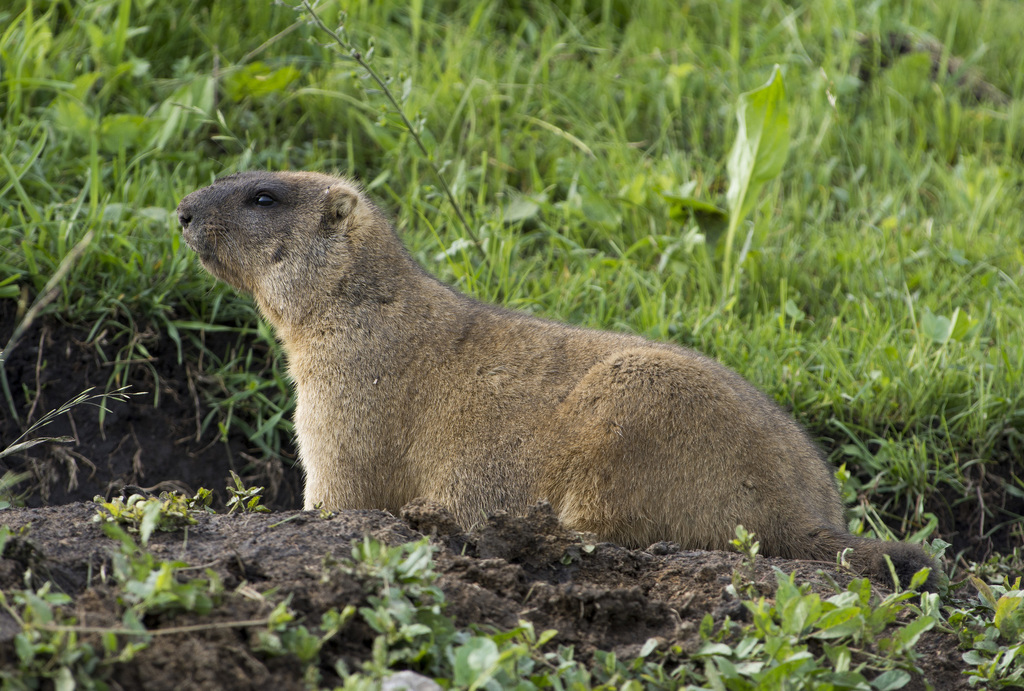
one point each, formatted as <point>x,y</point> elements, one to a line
<point>839,622</point>
<point>840,657</point>
<point>1009,618</point>
<point>893,679</point>
<point>24,648</point>
<point>41,610</point>
<point>761,146</point>
<point>919,579</point>
<point>412,630</point>
<point>64,681</point>
<point>936,327</point>
<point>973,657</point>
<point>73,118</point>
<point>546,636</point>
<point>793,311</point>
<point>845,680</point>
<point>984,591</point>
<point>257,80</point>
<point>774,677</point>
<point>758,154</point>
<point>474,659</point>
<point>520,209</point>
<point>694,204</point>
<point>907,637</point>
<point>909,77</point>
<point>963,325</point>
<point>710,648</point>
<point>151,515</point>
<point>799,613</point>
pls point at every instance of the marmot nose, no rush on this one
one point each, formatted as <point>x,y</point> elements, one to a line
<point>184,218</point>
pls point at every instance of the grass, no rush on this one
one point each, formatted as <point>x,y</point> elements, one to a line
<point>881,297</point>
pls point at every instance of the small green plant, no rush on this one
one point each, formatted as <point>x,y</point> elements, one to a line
<point>999,567</point>
<point>757,157</point>
<point>170,511</point>
<point>48,643</point>
<point>283,637</point>
<point>992,631</point>
<point>406,605</point>
<point>847,629</point>
<point>43,652</point>
<point>150,586</point>
<point>406,609</point>
<point>744,579</point>
<point>279,639</point>
<point>324,513</point>
<point>245,499</point>
<point>798,639</point>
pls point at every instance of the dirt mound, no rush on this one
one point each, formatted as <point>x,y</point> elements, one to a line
<point>597,596</point>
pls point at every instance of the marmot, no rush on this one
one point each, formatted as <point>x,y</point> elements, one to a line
<point>407,388</point>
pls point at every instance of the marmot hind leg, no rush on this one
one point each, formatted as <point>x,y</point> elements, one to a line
<point>638,452</point>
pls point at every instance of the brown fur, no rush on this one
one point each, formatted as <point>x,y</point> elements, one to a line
<point>408,389</point>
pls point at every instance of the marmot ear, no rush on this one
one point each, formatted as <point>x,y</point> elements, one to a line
<point>340,201</point>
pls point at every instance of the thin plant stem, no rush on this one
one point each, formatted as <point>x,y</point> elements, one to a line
<point>358,57</point>
<point>85,397</point>
<point>190,628</point>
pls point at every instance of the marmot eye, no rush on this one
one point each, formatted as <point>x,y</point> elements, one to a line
<point>265,200</point>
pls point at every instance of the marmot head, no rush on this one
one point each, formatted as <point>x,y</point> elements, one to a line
<point>247,226</point>
<point>279,236</point>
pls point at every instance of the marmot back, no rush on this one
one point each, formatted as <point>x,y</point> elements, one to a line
<point>408,389</point>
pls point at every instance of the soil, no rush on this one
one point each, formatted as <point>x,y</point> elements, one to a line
<point>506,570</point>
<point>136,443</point>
